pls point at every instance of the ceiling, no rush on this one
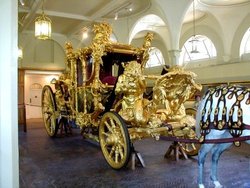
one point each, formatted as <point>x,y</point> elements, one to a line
<point>71,17</point>
<point>223,2</point>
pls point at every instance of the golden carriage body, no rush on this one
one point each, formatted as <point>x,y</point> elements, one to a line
<point>112,109</point>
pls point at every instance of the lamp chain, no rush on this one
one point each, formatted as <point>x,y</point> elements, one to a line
<point>194,17</point>
<point>43,7</point>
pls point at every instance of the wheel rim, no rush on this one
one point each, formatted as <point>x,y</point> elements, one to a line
<point>48,111</point>
<point>191,149</point>
<point>191,112</point>
<point>114,140</point>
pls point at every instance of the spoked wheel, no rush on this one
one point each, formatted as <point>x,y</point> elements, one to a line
<point>49,111</point>
<point>191,112</point>
<point>191,149</point>
<point>114,140</point>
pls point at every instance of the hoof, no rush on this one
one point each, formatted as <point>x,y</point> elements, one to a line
<point>217,184</point>
<point>201,186</point>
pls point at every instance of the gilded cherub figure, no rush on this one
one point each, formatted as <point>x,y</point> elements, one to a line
<point>132,85</point>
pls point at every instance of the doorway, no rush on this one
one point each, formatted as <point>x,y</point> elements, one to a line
<point>33,84</point>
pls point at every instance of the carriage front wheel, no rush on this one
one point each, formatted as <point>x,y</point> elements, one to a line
<point>114,140</point>
<point>49,111</point>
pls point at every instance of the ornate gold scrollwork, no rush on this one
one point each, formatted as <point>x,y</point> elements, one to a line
<point>169,94</point>
<point>80,96</point>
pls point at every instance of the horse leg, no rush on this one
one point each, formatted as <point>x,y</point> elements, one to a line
<point>248,141</point>
<point>216,153</point>
<point>205,148</point>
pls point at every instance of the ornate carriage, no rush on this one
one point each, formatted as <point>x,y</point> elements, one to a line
<point>113,109</point>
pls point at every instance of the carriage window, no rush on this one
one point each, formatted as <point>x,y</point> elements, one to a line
<point>112,66</point>
<point>106,75</point>
<point>79,73</point>
<point>89,68</point>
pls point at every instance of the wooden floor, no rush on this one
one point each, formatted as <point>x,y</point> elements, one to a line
<point>71,162</point>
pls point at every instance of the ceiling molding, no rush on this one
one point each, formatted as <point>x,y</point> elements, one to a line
<point>65,15</point>
<point>224,3</point>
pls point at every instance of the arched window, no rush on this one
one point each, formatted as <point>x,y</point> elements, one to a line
<point>155,58</point>
<point>245,43</point>
<point>202,48</point>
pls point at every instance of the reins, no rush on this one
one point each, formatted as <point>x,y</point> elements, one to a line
<point>207,141</point>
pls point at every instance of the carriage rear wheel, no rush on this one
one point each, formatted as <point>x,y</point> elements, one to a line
<point>191,112</point>
<point>191,149</point>
<point>114,140</point>
<point>49,111</point>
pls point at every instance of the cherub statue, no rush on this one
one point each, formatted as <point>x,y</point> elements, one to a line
<point>132,85</point>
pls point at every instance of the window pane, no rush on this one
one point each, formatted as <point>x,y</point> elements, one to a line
<point>155,58</point>
<point>245,43</point>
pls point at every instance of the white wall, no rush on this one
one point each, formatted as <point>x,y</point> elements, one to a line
<point>9,167</point>
<point>42,54</point>
<point>223,73</point>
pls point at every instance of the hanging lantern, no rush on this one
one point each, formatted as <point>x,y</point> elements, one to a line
<point>194,39</point>
<point>194,42</point>
<point>43,27</point>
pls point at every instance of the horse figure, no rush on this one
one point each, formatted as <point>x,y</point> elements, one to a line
<point>223,113</point>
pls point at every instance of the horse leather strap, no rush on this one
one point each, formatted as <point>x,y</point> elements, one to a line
<point>207,141</point>
<point>246,127</point>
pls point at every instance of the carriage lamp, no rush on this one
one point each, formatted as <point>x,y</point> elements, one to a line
<point>42,27</point>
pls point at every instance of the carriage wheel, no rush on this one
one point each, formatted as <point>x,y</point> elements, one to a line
<point>191,112</point>
<point>49,111</point>
<point>191,149</point>
<point>114,140</point>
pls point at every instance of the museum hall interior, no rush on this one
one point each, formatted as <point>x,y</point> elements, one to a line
<point>125,93</point>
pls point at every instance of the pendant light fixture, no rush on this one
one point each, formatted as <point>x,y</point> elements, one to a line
<point>43,26</point>
<point>194,39</point>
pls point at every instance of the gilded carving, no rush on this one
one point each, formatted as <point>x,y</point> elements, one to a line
<point>116,114</point>
<point>169,94</point>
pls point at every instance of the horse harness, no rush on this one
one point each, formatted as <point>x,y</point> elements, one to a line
<point>235,127</point>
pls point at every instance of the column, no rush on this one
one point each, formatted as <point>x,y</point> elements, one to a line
<point>174,56</point>
<point>9,166</point>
